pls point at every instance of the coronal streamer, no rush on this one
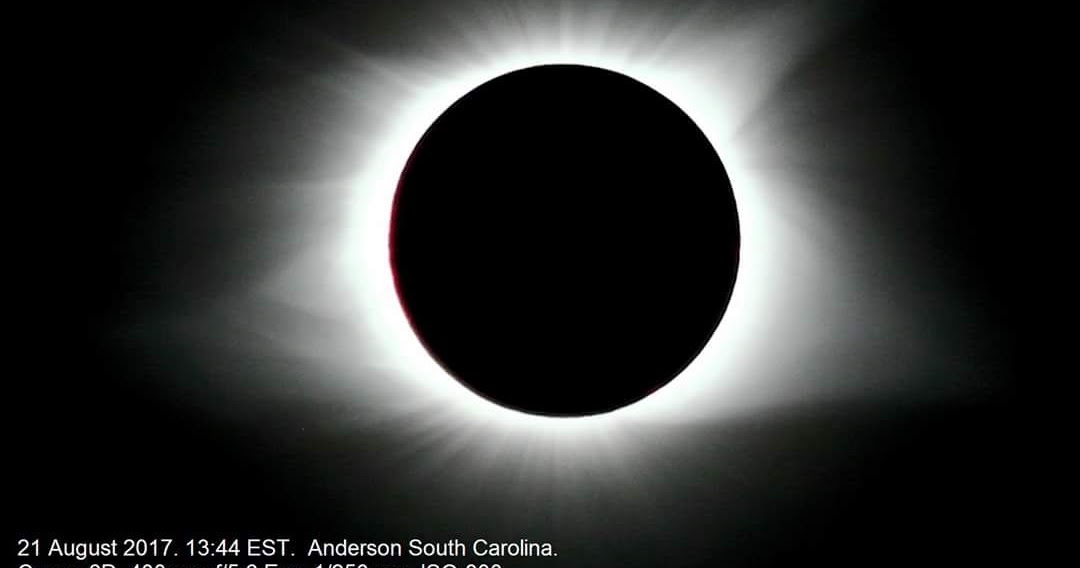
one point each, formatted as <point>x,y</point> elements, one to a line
<point>735,74</point>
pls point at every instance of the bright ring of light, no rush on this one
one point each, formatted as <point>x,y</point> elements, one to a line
<point>718,106</point>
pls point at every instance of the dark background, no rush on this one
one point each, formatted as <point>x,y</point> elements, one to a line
<point>123,108</point>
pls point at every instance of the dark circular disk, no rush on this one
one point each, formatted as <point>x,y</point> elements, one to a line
<point>564,240</point>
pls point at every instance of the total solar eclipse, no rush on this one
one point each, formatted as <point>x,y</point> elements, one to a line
<point>564,240</point>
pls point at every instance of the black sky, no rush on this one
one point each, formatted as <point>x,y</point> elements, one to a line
<point>152,126</point>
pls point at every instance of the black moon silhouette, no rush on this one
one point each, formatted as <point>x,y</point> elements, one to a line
<point>564,240</point>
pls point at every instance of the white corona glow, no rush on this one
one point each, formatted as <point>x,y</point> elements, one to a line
<point>719,75</point>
